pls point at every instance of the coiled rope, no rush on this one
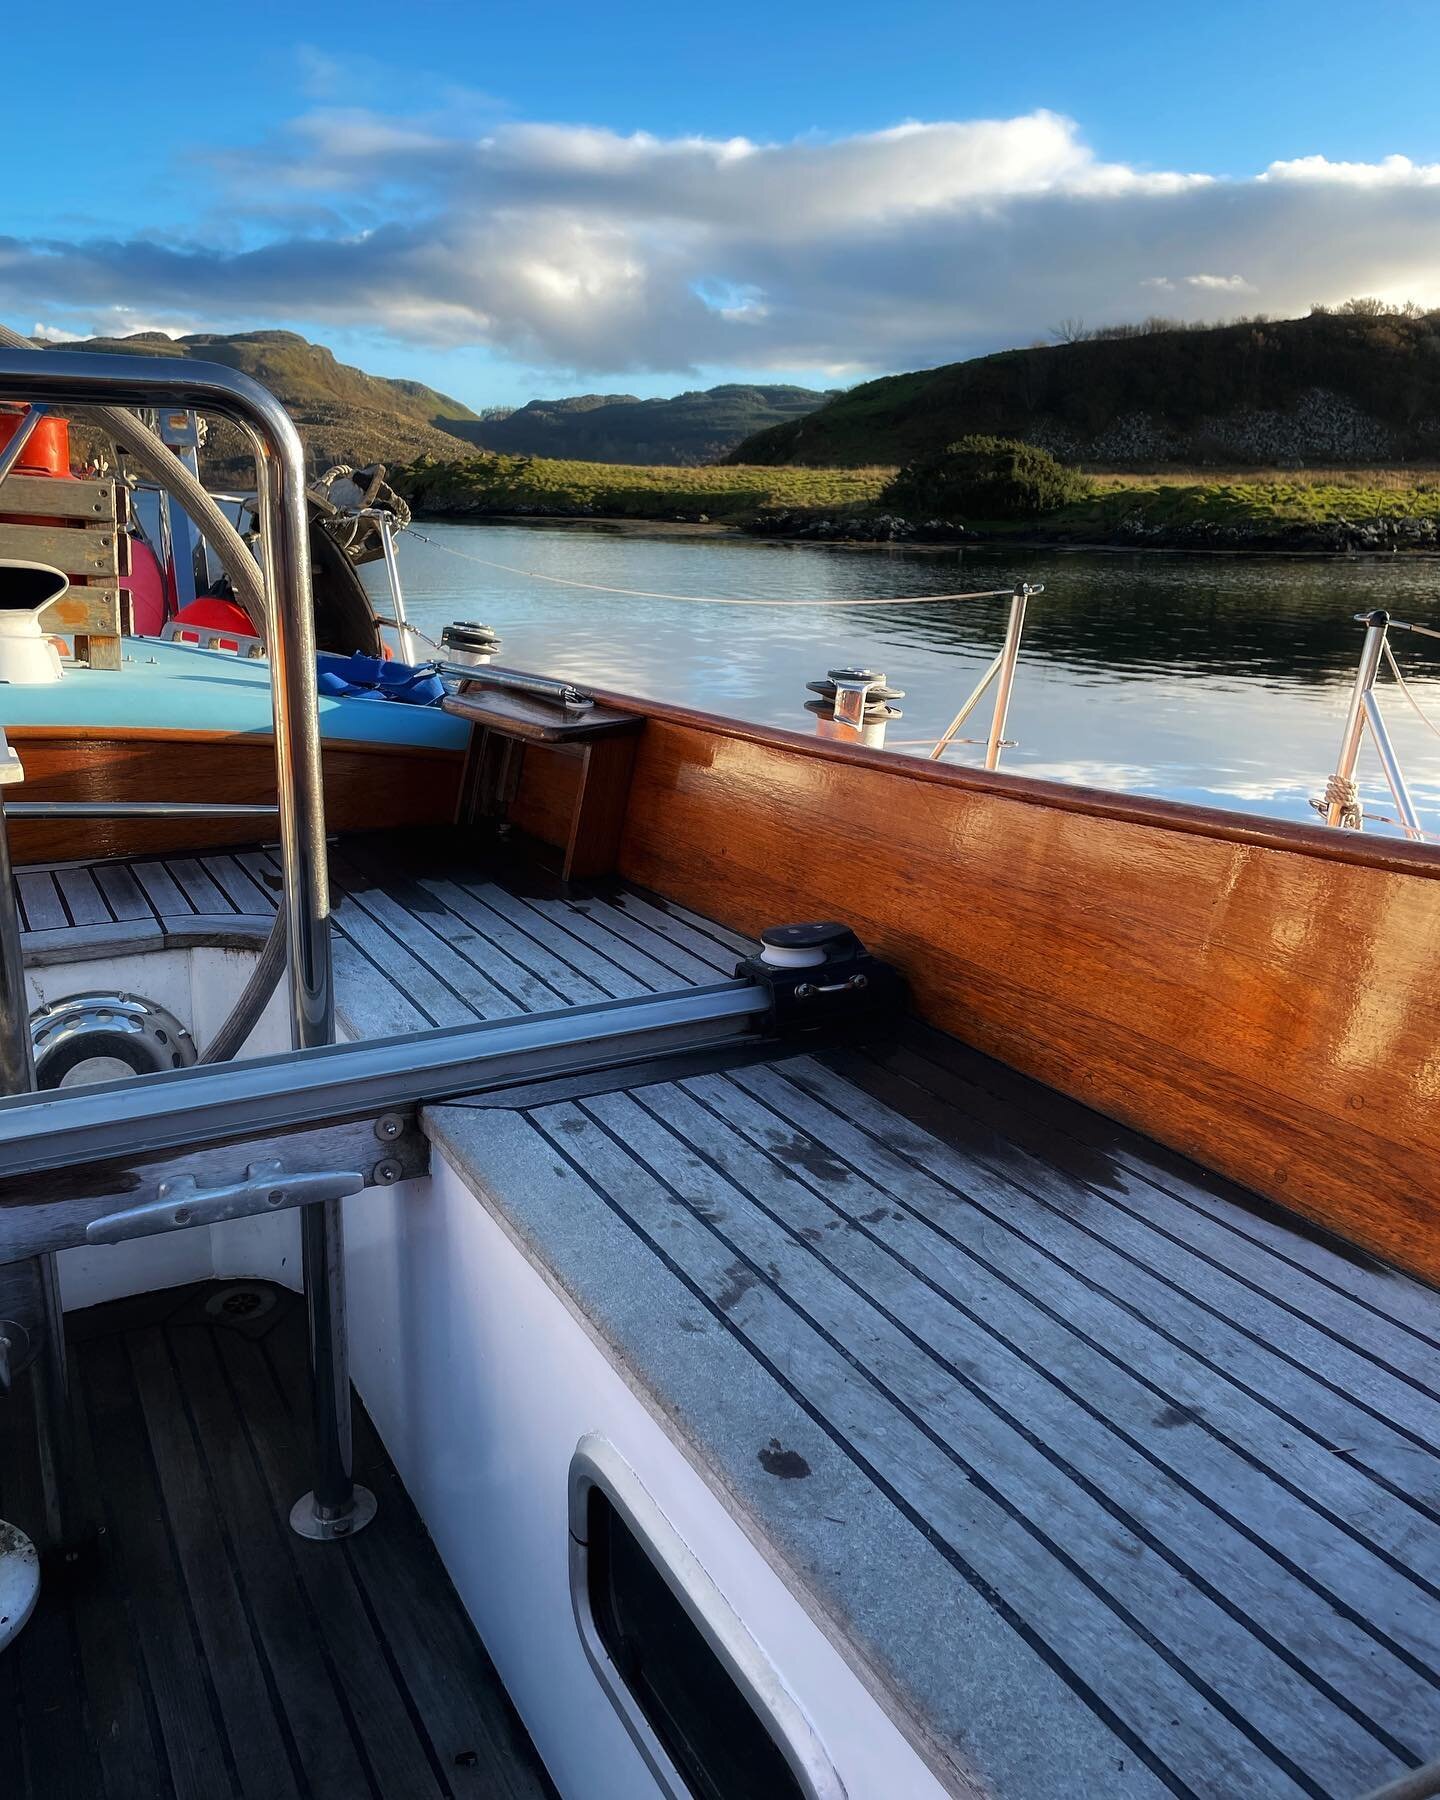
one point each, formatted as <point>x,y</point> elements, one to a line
<point>596,587</point>
<point>1341,791</point>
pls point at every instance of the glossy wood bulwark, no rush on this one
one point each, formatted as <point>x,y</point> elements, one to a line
<point>367,787</point>
<point>1259,996</point>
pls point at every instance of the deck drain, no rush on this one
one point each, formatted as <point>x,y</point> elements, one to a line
<point>241,1300</point>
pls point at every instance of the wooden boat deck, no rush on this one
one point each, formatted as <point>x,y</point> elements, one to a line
<point>1109,1477</point>
<point>203,1652</point>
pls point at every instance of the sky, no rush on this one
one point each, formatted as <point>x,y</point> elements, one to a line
<point>511,200</point>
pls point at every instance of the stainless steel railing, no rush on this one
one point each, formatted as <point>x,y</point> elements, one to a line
<point>1341,804</point>
<point>59,379</point>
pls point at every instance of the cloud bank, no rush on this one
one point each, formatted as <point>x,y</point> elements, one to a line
<point>589,251</point>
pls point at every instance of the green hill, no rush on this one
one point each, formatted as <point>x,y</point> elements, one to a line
<point>695,427</point>
<point>343,414</point>
<point>1355,386</point>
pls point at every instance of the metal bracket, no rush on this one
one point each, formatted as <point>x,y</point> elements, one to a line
<point>182,1201</point>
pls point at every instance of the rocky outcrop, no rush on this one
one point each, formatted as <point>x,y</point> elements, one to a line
<point>1320,428</point>
<point>849,528</point>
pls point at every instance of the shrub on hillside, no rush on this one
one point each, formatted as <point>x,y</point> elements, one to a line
<point>984,478</point>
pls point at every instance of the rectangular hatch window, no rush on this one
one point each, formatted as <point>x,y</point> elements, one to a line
<point>705,1706</point>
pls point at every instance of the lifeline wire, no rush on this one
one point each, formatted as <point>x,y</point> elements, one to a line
<point>1404,686</point>
<point>594,587</point>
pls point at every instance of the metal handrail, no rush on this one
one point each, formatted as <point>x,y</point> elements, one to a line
<point>1002,672</point>
<point>1341,805</point>
<point>60,378</point>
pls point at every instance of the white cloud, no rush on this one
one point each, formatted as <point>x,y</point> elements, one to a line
<point>587,250</point>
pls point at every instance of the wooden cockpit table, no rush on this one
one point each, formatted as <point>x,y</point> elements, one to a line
<point>600,739</point>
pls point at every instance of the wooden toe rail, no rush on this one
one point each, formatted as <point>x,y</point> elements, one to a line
<point>1258,995</point>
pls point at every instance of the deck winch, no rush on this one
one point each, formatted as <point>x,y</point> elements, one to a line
<point>854,705</point>
<point>820,977</point>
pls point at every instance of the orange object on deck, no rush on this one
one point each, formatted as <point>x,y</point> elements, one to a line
<point>48,450</point>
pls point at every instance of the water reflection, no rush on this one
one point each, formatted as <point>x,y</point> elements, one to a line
<point>1220,680</point>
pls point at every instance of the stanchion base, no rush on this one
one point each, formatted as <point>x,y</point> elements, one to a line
<point>307,1520</point>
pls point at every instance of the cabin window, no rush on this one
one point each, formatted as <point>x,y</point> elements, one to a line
<point>705,1707</point>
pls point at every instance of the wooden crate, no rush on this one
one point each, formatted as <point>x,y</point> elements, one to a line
<point>77,527</point>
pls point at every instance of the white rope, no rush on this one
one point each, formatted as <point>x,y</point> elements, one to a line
<point>1404,687</point>
<point>1341,791</point>
<point>595,587</point>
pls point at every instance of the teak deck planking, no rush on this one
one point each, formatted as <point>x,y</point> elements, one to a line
<point>1152,1460</point>
<point>1258,996</point>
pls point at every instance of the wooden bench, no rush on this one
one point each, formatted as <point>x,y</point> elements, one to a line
<point>599,740</point>
<point>77,527</point>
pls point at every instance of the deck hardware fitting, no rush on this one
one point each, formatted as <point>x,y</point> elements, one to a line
<point>854,706</point>
<point>68,378</point>
<point>181,1200</point>
<point>791,957</point>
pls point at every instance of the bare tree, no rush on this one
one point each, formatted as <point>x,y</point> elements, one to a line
<point>1070,331</point>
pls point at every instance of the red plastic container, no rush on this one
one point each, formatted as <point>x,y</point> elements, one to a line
<point>48,450</point>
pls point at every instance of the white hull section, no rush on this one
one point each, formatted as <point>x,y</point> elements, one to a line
<point>482,1382</point>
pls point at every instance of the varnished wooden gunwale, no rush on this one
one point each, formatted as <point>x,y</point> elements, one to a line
<point>1255,994</point>
<point>368,786</point>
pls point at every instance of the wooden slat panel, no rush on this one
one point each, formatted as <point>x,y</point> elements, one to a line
<point>216,1599</point>
<point>88,612</point>
<point>83,899</point>
<point>40,902</point>
<point>177,1674</point>
<point>1189,973</point>
<point>205,1654</point>
<point>204,896</point>
<point>1206,1593</point>
<point>1198,1229</point>
<point>162,890</point>
<point>125,895</point>
<point>367,788</point>
<point>1324,1520</point>
<point>94,554</point>
<point>563,983</point>
<point>1100,1144</point>
<point>880,1428</point>
<point>364,1676</point>
<point>576,952</point>
<point>41,496</point>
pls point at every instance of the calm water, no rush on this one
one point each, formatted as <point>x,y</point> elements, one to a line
<point>1212,679</point>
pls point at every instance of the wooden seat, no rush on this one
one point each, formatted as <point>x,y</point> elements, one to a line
<point>600,741</point>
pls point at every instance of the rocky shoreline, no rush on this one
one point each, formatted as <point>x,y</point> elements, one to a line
<point>1340,537</point>
<point>1337,537</point>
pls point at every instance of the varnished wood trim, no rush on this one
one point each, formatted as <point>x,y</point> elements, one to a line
<point>368,787</point>
<point>1258,996</point>
<point>1174,815</point>
<point>146,734</point>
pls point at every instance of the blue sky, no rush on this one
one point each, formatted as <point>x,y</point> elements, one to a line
<point>507,200</point>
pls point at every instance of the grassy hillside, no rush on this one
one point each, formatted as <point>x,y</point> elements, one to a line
<point>1331,509</point>
<point>1354,386</point>
<point>493,485</point>
<point>343,414</point>
<point>695,427</point>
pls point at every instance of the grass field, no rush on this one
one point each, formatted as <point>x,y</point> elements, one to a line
<point>1257,501</point>
<point>521,484</point>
